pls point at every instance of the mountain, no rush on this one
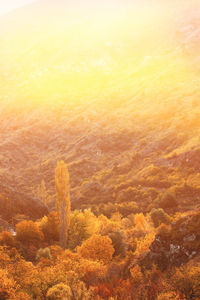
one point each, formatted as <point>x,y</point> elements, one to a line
<point>117,98</point>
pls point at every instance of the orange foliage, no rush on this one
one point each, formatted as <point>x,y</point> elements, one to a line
<point>50,227</point>
<point>4,257</point>
<point>22,296</point>
<point>29,232</point>
<point>186,281</point>
<point>144,243</point>
<point>56,251</point>
<point>98,248</point>
<point>7,239</point>
<point>18,268</point>
<point>92,272</point>
<point>88,270</point>
<point>116,289</point>
<point>136,276</point>
<point>59,291</point>
<point>7,286</point>
<point>140,221</point>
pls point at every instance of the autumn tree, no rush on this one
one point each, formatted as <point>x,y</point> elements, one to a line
<point>59,291</point>
<point>28,232</point>
<point>50,227</point>
<point>30,237</point>
<point>140,221</point>
<point>82,225</point>
<point>98,248</point>
<point>136,276</point>
<point>63,200</point>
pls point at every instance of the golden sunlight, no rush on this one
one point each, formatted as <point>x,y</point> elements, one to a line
<point>9,5</point>
<point>100,149</point>
<point>93,49</point>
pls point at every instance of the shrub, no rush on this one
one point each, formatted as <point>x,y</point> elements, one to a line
<point>43,252</point>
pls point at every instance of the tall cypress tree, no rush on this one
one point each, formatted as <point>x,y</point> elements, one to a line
<point>63,203</point>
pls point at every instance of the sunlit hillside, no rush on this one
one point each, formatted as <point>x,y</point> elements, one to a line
<point>90,71</point>
<point>112,88</point>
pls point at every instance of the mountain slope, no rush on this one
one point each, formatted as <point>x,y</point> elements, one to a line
<point>118,100</point>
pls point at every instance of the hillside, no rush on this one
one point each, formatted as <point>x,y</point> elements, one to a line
<point>135,125</point>
<point>112,89</point>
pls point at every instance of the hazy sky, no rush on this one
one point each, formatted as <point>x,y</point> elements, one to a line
<point>8,5</point>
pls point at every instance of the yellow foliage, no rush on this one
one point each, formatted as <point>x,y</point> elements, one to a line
<point>82,225</point>
<point>59,291</point>
<point>167,296</point>
<point>105,226</point>
<point>140,221</point>
<point>144,243</point>
<point>22,296</point>
<point>136,275</point>
<point>116,217</point>
<point>88,270</point>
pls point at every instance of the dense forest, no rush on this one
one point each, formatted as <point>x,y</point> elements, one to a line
<point>100,150</point>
